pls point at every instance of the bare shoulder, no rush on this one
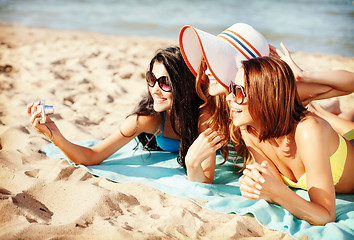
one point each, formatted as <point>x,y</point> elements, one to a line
<point>313,133</point>
<point>312,126</point>
<point>147,124</point>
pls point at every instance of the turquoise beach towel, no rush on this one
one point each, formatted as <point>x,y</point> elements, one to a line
<point>161,171</point>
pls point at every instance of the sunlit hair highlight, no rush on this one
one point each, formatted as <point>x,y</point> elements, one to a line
<point>220,119</point>
<point>272,96</point>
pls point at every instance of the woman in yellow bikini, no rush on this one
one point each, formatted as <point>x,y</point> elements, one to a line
<point>288,144</point>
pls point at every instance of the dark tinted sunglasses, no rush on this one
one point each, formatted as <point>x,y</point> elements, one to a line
<point>162,81</point>
<point>238,93</point>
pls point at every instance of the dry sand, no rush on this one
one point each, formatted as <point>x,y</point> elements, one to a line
<point>43,198</point>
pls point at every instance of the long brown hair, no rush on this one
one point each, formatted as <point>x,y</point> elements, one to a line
<point>272,96</point>
<point>220,118</point>
<point>272,99</point>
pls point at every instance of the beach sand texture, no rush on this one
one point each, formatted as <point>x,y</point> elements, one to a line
<point>93,81</point>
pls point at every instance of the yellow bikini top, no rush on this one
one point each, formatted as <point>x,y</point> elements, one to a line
<point>337,166</point>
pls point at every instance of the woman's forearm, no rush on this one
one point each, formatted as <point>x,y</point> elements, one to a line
<point>341,80</point>
<point>309,211</point>
<point>196,174</point>
<point>200,171</point>
<point>77,154</point>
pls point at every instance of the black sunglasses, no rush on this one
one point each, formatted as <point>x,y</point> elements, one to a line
<point>162,81</point>
<point>238,93</point>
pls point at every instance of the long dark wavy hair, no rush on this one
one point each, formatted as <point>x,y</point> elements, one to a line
<point>185,103</point>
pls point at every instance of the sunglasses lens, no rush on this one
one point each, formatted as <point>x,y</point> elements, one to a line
<point>163,83</point>
<point>150,78</point>
<point>238,94</point>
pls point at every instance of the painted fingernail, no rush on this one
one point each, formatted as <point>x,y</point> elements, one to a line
<point>261,179</point>
<point>257,192</point>
<point>259,187</point>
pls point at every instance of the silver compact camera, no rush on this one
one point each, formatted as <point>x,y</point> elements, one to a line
<point>45,110</point>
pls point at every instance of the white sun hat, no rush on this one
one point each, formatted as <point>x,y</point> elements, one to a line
<point>222,53</point>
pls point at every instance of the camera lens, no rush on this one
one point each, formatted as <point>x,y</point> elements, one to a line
<point>48,109</point>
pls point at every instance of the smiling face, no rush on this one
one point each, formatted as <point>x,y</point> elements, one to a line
<point>162,99</point>
<point>239,112</point>
<point>215,88</point>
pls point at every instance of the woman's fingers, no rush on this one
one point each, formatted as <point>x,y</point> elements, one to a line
<point>273,51</point>
<point>211,138</point>
<point>36,125</point>
<point>247,190</point>
<point>217,139</point>
<point>35,116</point>
<point>256,175</point>
<point>34,107</point>
<point>207,132</point>
<point>251,182</point>
<point>29,108</point>
<point>267,168</point>
<point>284,48</point>
<point>219,145</point>
<point>210,133</point>
<point>253,178</point>
<point>260,167</point>
<point>215,136</point>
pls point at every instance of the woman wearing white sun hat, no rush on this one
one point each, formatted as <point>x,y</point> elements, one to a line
<point>222,53</point>
<point>214,60</point>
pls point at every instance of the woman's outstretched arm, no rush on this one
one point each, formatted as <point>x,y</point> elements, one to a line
<point>341,80</point>
<point>131,127</point>
<point>316,85</point>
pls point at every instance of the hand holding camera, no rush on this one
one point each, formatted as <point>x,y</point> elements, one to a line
<point>45,111</point>
<point>39,113</point>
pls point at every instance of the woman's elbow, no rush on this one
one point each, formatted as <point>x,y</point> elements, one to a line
<point>323,220</point>
<point>83,162</point>
<point>209,181</point>
<point>192,165</point>
<point>88,160</point>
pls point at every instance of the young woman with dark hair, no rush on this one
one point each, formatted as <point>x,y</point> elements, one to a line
<point>165,119</point>
<point>288,144</point>
<point>184,106</point>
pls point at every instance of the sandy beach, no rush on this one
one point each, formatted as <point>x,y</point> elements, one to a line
<point>94,81</point>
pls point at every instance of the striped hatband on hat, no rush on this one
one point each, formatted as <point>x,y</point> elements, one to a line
<point>241,44</point>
